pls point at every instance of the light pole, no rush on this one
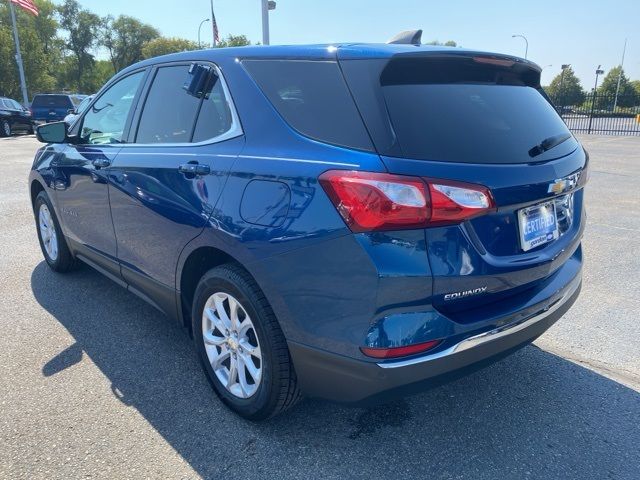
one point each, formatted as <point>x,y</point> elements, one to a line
<point>200,28</point>
<point>564,66</point>
<point>593,102</point>
<point>526,44</point>
<point>266,6</point>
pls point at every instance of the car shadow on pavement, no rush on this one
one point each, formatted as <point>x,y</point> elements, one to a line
<point>533,415</point>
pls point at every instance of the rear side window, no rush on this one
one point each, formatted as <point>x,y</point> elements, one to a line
<point>169,113</point>
<point>313,98</point>
<point>215,117</point>
<point>54,101</point>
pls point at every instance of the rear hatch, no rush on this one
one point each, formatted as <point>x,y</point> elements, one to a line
<point>51,108</point>
<point>479,119</point>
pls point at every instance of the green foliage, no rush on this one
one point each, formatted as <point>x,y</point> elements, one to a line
<point>82,27</point>
<point>163,46</point>
<point>233,41</point>
<point>565,89</point>
<point>627,96</point>
<point>448,43</point>
<point>125,38</point>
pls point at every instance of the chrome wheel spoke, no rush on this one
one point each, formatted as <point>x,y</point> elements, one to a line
<point>215,321</point>
<point>254,371</point>
<point>233,372</point>
<point>220,311</point>
<point>211,339</point>
<point>250,349</point>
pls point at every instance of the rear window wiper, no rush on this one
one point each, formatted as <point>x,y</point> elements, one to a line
<point>548,144</point>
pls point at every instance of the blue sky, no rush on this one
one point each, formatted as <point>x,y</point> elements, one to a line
<point>583,33</point>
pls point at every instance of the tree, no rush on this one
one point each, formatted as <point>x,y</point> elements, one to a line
<point>448,43</point>
<point>565,89</point>
<point>40,49</point>
<point>124,38</point>
<point>82,27</point>
<point>609,86</point>
<point>233,41</point>
<point>164,46</point>
<point>636,85</point>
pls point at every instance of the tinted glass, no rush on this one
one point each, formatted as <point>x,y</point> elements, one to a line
<point>473,123</point>
<point>169,113</point>
<point>53,101</point>
<point>84,104</point>
<point>313,98</point>
<point>214,118</point>
<point>15,104</point>
<point>104,122</point>
<point>5,103</point>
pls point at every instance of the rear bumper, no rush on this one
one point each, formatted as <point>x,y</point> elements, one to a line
<point>338,378</point>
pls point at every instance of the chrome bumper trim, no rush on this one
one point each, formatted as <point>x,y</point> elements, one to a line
<point>490,335</point>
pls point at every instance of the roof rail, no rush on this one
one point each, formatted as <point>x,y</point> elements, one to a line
<point>408,37</point>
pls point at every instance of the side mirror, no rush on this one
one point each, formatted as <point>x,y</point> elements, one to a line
<point>55,132</point>
<point>71,111</point>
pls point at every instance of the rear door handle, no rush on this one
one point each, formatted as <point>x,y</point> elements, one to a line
<point>195,169</point>
<point>101,162</point>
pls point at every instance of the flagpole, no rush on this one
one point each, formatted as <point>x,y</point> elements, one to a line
<point>23,82</point>
<point>213,25</point>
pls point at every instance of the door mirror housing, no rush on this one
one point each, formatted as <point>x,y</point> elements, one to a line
<point>71,111</point>
<point>55,132</point>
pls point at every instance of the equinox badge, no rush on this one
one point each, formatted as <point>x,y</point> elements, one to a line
<point>465,293</point>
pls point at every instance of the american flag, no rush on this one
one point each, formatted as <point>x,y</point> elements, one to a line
<point>27,5</point>
<point>214,25</point>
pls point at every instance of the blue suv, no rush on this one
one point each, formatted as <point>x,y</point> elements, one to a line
<point>350,222</point>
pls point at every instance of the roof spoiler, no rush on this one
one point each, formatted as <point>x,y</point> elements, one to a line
<point>407,37</point>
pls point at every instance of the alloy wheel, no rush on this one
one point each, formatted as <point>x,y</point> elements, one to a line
<point>232,345</point>
<point>48,233</point>
<point>6,128</point>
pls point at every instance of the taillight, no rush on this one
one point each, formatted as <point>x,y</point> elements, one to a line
<point>395,352</point>
<point>453,202</point>
<point>369,201</point>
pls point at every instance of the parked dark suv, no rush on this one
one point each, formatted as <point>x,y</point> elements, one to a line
<point>14,118</point>
<point>53,107</point>
<point>343,221</point>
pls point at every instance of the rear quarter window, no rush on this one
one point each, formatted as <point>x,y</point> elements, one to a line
<point>313,99</point>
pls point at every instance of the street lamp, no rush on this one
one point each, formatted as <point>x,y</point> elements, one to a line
<point>266,6</point>
<point>526,44</point>
<point>598,72</point>
<point>593,101</point>
<point>564,66</point>
<point>200,27</point>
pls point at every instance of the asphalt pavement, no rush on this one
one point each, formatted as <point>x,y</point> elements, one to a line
<point>94,383</point>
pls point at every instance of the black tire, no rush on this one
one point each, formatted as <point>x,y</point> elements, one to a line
<point>64,261</point>
<point>278,389</point>
<point>5,128</point>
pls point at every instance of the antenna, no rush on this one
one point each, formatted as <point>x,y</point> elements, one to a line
<point>407,37</point>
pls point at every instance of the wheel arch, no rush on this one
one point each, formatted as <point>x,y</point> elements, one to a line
<point>196,263</point>
<point>34,189</point>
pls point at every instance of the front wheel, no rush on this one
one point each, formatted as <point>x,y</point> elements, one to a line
<point>5,129</point>
<point>241,346</point>
<point>52,242</point>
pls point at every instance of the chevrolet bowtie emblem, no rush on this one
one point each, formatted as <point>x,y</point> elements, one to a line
<point>561,185</point>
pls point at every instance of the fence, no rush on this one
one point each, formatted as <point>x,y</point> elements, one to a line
<point>600,113</point>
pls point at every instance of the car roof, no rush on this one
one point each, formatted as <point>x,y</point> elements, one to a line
<point>325,51</point>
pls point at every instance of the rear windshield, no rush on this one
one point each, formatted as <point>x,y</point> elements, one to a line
<point>313,98</point>
<point>457,110</point>
<point>470,122</point>
<point>55,101</point>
